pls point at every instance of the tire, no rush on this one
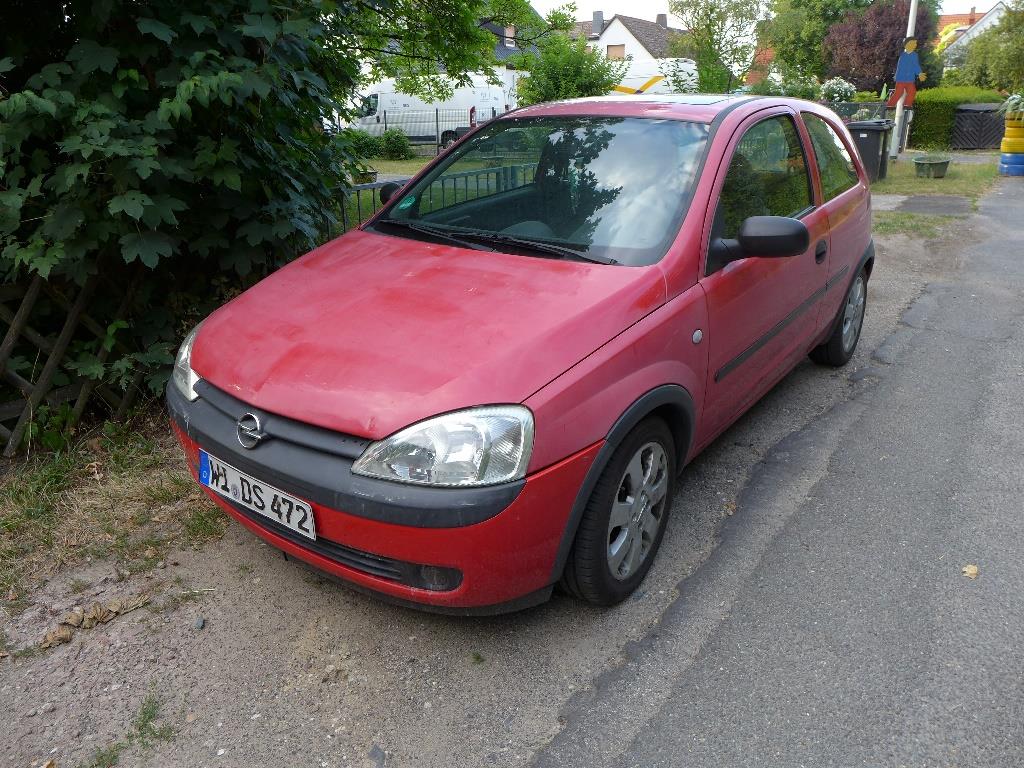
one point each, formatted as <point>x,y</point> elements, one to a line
<point>840,346</point>
<point>603,567</point>
<point>1011,145</point>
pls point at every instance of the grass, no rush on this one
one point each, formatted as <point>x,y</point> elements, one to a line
<point>919,225</point>
<point>965,179</point>
<point>124,495</point>
<point>399,166</point>
<point>145,732</point>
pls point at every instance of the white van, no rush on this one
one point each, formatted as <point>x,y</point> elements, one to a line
<point>649,75</point>
<point>382,106</point>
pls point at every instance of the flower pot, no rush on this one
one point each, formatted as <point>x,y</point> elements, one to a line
<point>931,166</point>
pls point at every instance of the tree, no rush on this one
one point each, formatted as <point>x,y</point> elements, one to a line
<point>415,42</point>
<point>721,39</point>
<point>995,58</point>
<point>798,28</point>
<point>566,69</point>
<point>187,136</point>
<point>865,47</point>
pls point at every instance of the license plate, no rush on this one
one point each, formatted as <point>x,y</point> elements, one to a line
<point>256,495</point>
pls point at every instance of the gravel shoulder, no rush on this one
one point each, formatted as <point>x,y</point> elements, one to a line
<point>255,660</point>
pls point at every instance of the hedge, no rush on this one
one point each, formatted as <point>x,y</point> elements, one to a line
<point>935,110</point>
<point>866,96</point>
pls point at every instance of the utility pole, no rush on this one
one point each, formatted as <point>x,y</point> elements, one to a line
<point>894,146</point>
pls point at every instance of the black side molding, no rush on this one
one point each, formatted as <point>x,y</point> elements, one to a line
<point>806,304</point>
<point>772,332</point>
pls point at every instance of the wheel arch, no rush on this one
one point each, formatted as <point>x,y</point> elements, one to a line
<point>669,402</point>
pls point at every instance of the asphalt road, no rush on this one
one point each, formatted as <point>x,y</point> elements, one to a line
<point>807,607</point>
<point>832,626</point>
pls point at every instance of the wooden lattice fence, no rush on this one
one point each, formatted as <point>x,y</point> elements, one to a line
<point>40,319</point>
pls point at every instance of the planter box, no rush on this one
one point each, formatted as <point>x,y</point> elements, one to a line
<point>931,166</point>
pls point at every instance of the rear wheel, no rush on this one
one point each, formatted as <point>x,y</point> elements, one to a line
<point>840,346</point>
<point>625,519</point>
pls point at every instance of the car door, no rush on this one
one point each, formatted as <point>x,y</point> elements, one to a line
<point>845,200</point>
<point>762,312</point>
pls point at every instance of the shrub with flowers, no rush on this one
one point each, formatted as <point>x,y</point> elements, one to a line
<point>838,89</point>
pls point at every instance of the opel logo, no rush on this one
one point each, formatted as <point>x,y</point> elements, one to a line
<point>250,431</point>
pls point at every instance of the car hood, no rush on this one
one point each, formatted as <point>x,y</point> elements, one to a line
<point>371,333</point>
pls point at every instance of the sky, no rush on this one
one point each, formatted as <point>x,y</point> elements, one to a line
<point>649,9</point>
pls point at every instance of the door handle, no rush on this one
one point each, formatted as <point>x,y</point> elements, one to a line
<point>820,251</point>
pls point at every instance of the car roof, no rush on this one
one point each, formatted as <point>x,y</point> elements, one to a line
<point>695,107</point>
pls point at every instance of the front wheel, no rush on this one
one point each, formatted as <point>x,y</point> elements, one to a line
<point>625,519</point>
<point>840,346</point>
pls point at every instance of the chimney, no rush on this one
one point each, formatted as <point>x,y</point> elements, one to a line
<point>662,19</point>
<point>972,15</point>
<point>598,25</point>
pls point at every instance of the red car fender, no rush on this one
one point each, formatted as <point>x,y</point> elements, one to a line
<point>582,405</point>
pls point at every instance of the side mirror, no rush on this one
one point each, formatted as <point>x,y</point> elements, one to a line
<point>773,237</point>
<point>389,190</point>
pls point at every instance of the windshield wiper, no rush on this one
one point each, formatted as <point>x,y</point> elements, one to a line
<point>537,245</point>
<point>425,229</point>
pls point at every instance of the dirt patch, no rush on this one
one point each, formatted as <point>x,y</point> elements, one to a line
<point>122,496</point>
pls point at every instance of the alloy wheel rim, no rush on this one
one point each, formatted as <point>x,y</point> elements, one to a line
<point>854,314</point>
<point>638,510</point>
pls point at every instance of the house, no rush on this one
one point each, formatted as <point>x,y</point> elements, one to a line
<point>972,27</point>
<point>623,36</point>
<point>505,42</point>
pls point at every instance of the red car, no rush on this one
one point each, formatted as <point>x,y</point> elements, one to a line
<point>489,388</point>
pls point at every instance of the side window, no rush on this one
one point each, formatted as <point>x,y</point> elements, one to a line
<point>767,177</point>
<point>838,173</point>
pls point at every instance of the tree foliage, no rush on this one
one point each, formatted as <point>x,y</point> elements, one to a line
<point>866,45</point>
<point>168,131</point>
<point>566,69</point>
<point>788,81</point>
<point>995,58</point>
<point>187,136</point>
<point>721,39</point>
<point>798,28</point>
<point>414,41</point>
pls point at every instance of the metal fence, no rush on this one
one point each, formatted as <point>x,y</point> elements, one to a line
<point>360,201</point>
<point>459,187</point>
<point>850,111</point>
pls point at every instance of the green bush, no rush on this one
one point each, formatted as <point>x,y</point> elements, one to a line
<point>365,145</point>
<point>178,151</point>
<point>935,109</point>
<point>394,145</point>
<point>955,77</point>
<point>866,96</point>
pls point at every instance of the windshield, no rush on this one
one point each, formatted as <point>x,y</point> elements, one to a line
<point>608,189</point>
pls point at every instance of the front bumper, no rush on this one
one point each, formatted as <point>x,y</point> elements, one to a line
<point>479,549</point>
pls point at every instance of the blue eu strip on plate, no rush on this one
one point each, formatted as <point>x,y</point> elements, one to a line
<point>204,468</point>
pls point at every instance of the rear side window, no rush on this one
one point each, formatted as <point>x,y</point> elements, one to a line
<point>838,173</point>
<point>767,176</point>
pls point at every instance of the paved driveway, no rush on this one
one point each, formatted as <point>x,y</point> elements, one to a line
<point>807,607</point>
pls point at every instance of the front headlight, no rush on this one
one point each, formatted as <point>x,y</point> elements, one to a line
<point>479,446</point>
<point>184,377</point>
